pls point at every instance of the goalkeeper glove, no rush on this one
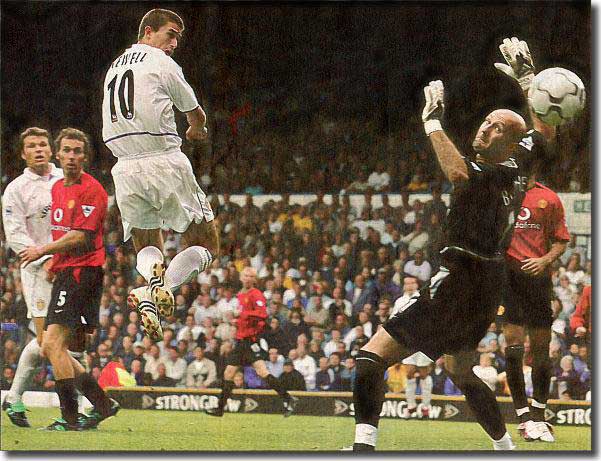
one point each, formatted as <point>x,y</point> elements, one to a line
<point>434,107</point>
<point>520,65</point>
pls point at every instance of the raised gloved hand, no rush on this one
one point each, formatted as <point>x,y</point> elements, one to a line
<point>434,107</point>
<point>520,65</point>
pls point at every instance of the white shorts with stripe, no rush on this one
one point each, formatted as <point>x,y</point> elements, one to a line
<point>159,192</point>
<point>36,290</point>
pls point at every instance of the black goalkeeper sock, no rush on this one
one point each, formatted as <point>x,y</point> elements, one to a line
<point>363,448</point>
<point>275,384</point>
<point>483,403</point>
<point>226,392</point>
<point>515,380</point>
<point>369,388</point>
<point>67,395</point>
<point>93,392</point>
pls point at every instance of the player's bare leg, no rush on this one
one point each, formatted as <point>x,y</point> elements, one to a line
<point>148,244</point>
<point>29,360</point>
<point>289,401</point>
<point>368,395</point>
<point>201,243</point>
<point>226,390</point>
<point>480,398</point>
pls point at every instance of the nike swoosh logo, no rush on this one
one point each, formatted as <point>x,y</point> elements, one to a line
<point>58,311</point>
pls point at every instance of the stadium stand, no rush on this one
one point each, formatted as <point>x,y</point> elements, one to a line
<point>330,270</point>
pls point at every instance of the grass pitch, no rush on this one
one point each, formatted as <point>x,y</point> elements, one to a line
<point>145,430</point>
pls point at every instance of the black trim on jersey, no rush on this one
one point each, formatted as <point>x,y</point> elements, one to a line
<point>135,133</point>
<point>496,258</point>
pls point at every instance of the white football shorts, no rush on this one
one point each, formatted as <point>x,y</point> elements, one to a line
<point>419,359</point>
<point>36,290</point>
<point>159,192</point>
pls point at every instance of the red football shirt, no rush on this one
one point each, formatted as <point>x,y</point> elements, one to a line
<point>540,223</point>
<point>80,206</point>
<point>251,321</point>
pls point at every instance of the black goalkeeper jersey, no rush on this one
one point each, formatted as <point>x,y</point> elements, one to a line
<point>482,210</point>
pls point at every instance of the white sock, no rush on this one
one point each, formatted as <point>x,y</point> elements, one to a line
<point>186,265</point>
<point>30,358</point>
<point>146,258</point>
<point>410,392</point>
<point>366,434</point>
<point>504,443</point>
<point>426,385</point>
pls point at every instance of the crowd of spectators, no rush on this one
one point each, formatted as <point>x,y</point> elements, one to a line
<point>330,274</point>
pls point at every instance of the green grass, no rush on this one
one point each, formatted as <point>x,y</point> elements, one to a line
<point>172,430</point>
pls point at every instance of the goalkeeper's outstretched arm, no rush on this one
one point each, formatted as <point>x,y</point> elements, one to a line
<point>520,67</point>
<point>450,159</point>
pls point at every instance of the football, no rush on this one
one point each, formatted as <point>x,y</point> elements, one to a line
<point>556,95</point>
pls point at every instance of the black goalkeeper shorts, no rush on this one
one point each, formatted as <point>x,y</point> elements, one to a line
<point>453,314</point>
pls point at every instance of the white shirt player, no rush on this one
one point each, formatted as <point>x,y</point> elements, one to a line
<point>26,210</point>
<point>140,89</point>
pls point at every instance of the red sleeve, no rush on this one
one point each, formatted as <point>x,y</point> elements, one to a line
<point>582,311</point>
<point>560,229</point>
<point>91,211</point>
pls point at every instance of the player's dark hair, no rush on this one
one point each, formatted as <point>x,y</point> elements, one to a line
<point>157,18</point>
<point>73,133</point>
<point>32,131</point>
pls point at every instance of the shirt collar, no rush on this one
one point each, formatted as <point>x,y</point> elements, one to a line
<point>145,47</point>
<point>54,172</point>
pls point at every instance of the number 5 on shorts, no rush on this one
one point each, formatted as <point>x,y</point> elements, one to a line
<point>61,298</point>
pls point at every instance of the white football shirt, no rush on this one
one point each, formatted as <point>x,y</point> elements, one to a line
<point>140,89</point>
<point>26,207</point>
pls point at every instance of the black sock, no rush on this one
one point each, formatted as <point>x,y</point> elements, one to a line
<point>515,379</point>
<point>93,392</point>
<point>369,388</point>
<point>541,379</point>
<point>226,392</point>
<point>483,404</point>
<point>67,395</point>
<point>363,447</point>
<point>275,384</point>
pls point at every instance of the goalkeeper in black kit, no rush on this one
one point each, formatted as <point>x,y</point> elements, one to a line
<point>452,315</point>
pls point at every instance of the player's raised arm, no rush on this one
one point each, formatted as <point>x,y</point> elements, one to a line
<point>520,67</point>
<point>450,159</point>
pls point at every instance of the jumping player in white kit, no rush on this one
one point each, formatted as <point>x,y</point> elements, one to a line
<point>155,186</point>
<point>26,215</point>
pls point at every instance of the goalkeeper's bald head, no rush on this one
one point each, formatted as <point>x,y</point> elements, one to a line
<point>498,134</point>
